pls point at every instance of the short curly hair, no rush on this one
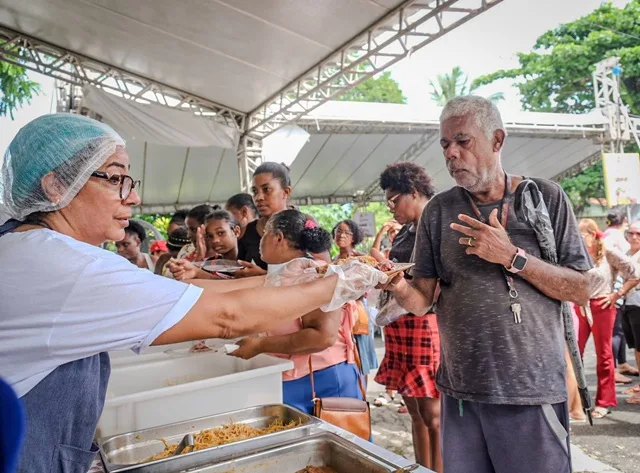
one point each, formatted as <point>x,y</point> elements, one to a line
<point>406,177</point>
<point>358,236</point>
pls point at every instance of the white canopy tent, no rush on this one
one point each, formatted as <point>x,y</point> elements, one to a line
<point>255,66</point>
<point>349,145</point>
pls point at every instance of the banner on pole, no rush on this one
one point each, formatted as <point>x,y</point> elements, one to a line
<point>621,178</point>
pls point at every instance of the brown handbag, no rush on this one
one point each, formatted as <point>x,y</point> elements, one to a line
<point>352,415</point>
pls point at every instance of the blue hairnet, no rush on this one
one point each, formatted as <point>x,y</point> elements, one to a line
<point>73,146</point>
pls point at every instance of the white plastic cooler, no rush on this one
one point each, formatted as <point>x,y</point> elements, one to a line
<point>188,386</point>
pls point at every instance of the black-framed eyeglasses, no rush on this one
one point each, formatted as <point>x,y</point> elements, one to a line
<point>391,203</point>
<point>126,183</point>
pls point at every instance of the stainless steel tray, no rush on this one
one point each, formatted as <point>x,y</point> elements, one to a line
<point>325,449</point>
<point>125,452</point>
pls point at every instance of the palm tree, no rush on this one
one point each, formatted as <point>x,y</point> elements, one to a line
<point>455,84</point>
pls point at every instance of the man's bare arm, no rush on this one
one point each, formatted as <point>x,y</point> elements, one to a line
<point>415,296</point>
<point>556,282</point>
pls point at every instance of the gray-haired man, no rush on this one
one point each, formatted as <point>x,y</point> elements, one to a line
<point>502,373</point>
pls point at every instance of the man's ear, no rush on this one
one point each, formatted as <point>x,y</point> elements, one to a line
<point>498,140</point>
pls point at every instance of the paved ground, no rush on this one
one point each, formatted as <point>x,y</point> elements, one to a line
<point>612,445</point>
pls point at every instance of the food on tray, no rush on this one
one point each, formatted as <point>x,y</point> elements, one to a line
<point>317,469</point>
<point>370,260</point>
<point>222,435</point>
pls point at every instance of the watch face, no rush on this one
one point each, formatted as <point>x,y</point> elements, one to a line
<point>519,262</point>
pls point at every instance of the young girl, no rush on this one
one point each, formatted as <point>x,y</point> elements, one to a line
<point>221,234</point>
<point>323,337</point>
<point>600,315</point>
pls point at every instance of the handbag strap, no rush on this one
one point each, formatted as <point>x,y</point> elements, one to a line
<point>358,365</point>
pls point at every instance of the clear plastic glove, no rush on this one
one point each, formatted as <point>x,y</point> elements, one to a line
<point>354,280</point>
<point>296,271</point>
<point>389,312</point>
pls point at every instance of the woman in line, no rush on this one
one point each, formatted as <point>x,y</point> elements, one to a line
<point>243,210</point>
<point>599,317</point>
<point>347,235</point>
<point>412,343</point>
<point>631,314</point>
<point>326,338</point>
<point>271,189</point>
<point>129,247</point>
<point>66,302</point>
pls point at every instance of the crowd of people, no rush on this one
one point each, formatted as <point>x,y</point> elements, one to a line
<point>479,340</point>
<point>263,230</point>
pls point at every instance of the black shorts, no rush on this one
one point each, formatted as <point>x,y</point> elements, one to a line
<point>631,326</point>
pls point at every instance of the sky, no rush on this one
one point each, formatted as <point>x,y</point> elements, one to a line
<point>485,44</point>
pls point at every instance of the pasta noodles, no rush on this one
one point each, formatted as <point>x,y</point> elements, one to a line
<point>222,435</point>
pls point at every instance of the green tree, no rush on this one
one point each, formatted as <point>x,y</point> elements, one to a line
<point>556,76</point>
<point>455,84</point>
<point>16,88</point>
<point>584,185</point>
<point>380,89</point>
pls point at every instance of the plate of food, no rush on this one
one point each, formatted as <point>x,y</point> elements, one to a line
<point>390,269</point>
<point>221,266</point>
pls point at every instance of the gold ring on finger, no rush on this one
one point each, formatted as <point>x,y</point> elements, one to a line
<point>470,241</point>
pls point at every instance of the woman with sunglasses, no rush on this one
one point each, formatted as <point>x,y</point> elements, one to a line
<point>631,308</point>
<point>66,302</point>
<point>412,344</point>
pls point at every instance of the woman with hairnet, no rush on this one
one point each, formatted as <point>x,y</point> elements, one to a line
<point>65,302</point>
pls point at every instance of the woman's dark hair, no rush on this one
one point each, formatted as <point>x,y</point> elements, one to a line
<point>616,217</point>
<point>179,217</point>
<point>221,215</point>
<point>242,200</point>
<point>356,231</point>
<point>178,238</point>
<point>277,170</point>
<point>302,232</point>
<point>200,212</point>
<point>135,229</point>
<point>405,177</point>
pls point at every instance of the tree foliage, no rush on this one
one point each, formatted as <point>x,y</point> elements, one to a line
<point>455,84</point>
<point>380,89</point>
<point>556,76</point>
<point>16,88</point>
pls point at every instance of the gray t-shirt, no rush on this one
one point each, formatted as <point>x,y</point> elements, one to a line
<point>486,356</point>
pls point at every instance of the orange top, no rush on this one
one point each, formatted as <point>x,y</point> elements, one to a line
<point>341,351</point>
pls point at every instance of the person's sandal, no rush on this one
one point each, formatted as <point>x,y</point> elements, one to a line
<point>633,390</point>
<point>382,400</point>
<point>600,412</point>
<point>634,400</point>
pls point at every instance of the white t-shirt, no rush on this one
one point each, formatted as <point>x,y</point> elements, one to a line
<point>62,300</point>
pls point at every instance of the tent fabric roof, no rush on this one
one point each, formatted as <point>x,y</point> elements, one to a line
<point>234,52</point>
<point>344,156</point>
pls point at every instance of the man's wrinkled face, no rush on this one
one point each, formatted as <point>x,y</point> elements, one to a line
<point>471,157</point>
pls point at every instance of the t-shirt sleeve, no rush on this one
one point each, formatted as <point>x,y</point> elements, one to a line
<point>116,306</point>
<point>570,247</point>
<point>423,254</point>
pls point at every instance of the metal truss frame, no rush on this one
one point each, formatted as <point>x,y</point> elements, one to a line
<point>579,167</point>
<point>521,128</point>
<point>45,58</point>
<point>399,34</point>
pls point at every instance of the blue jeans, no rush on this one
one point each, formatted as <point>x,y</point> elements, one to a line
<point>339,380</point>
